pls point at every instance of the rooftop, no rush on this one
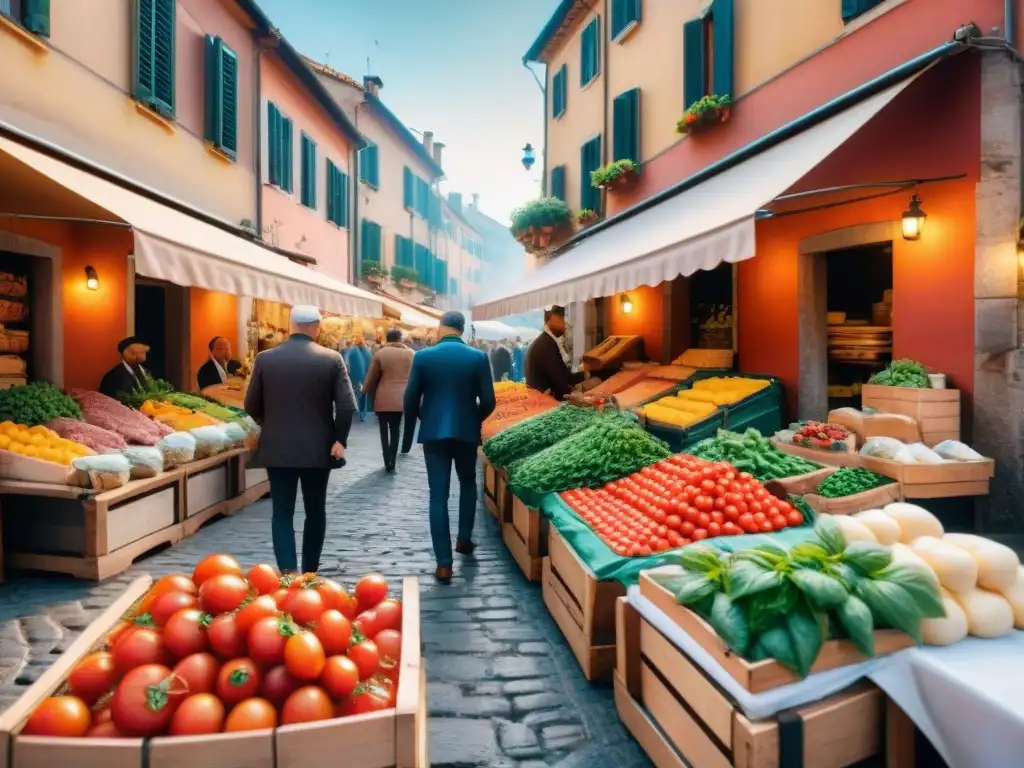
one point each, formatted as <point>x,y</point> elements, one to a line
<point>559,26</point>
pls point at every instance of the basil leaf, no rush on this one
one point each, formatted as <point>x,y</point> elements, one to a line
<point>777,643</point>
<point>689,587</point>
<point>745,578</point>
<point>891,605</point>
<point>730,622</point>
<point>920,587</point>
<point>859,625</point>
<point>807,638</point>
<point>847,575</point>
<point>823,591</point>
<point>830,534</point>
<point>700,558</point>
<point>867,557</point>
<point>769,606</point>
<point>758,652</point>
<point>809,555</point>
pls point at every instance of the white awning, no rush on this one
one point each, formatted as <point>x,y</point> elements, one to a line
<point>416,318</point>
<point>181,249</point>
<point>701,227</point>
<point>492,330</point>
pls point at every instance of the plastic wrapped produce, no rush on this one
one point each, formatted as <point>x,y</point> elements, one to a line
<point>954,450</point>
<point>235,433</point>
<point>98,439</point>
<point>104,472</point>
<point>210,441</point>
<point>146,461</point>
<point>177,448</point>
<point>102,411</point>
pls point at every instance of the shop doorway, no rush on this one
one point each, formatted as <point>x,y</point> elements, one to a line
<point>160,321</point>
<point>711,308</point>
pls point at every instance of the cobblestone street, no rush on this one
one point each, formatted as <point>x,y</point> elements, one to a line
<point>504,688</point>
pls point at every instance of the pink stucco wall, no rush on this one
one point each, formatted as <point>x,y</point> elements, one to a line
<point>296,227</point>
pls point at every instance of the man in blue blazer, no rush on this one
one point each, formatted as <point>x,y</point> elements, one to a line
<point>451,393</point>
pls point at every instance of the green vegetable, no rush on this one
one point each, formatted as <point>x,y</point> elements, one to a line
<point>830,535</point>
<point>850,480</point>
<point>730,622</point>
<point>820,589</point>
<point>857,621</point>
<point>794,642</point>
<point>891,605</point>
<point>689,587</point>
<point>868,558</point>
<point>200,405</point>
<point>541,431</point>
<point>147,389</point>
<point>918,585</point>
<point>745,578</point>
<point>771,605</point>
<point>902,373</point>
<point>752,452</point>
<point>701,558</point>
<point>36,403</point>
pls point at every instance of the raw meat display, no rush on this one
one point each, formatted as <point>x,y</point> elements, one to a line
<point>99,439</point>
<point>102,411</point>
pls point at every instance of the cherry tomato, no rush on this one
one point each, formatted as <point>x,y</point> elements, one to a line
<point>260,608</point>
<point>387,685</point>
<point>214,565</point>
<point>366,699</point>
<point>714,529</point>
<point>366,657</point>
<point>105,730</point>
<point>370,590</point>
<point>766,527</point>
<point>306,705</point>
<point>199,714</point>
<point>199,671</point>
<point>66,716</point>
<point>304,656</point>
<point>268,638</point>
<point>759,517</point>
<point>366,622</point>
<point>779,522</point>
<point>389,643</point>
<point>700,534</point>
<point>279,684</point>
<point>731,529</point>
<point>280,596</point>
<point>340,676</point>
<point>174,582</point>
<point>185,632</point>
<point>138,647</point>
<point>101,715</point>
<point>334,631</point>
<point>93,676</point>
<point>264,578</point>
<point>794,518</point>
<point>222,593</point>
<point>304,604</point>
<point>237,680</point>
<point>145,700</point>
<point>251,715</point>
<point>703,519</point>
<point>333,594</point>
<point>168,604</point>
<point>673,522</point>
<point>226,639</point>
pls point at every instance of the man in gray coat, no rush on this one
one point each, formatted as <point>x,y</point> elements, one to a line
<point>301,396</point>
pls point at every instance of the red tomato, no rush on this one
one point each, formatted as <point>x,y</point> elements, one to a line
<point>731,529</point>
<point>280,596</point>
<point>105,730</point>
<point>226,639</point>
<point>199,714</point>
<point>779,522</point>
<point>174,582</point>
<point>264,578</point>
<point>93,676</point>
<point>199,671</point>
<point>366,699</point>
<point>260,608</point>
<point>334,631</point>
<point>251,715</point>
<point>759,517</point>
<point>340,676</point>
<point>370,590</point>
<point>333,594</point>
<point>168,604</point>
<point>66,716</point>
<point>731,513</point>
<point>214,565</point>
<point>389,645</point>
<point>304,656</point>
<point>304,604</point>
<point>673,522</point>
<point>222,593</point>
<point>766,527</point>
<point>306,705</point>
<point>237,680</point>
<point>138,647</point>
<point>185,632</point>
<point>366,657</point>
<point>794,518</point>
<point>703,519</point>
<point>101,715</point>
<point>714,529</point>
<point>717,517</point>
<point>389,614</point>
<point>704,504</point>
<point>279,684</point>
<point>268,638</point>
<point>145,700</point>
<point>700,534</point>
<point>366,622</point>
<point>387,685</point>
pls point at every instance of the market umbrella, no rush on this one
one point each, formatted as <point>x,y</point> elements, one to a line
<point>524,333</point>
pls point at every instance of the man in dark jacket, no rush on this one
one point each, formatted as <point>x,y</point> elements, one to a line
<point>220,365</point>
<point>301,396</point>
<point>501,362</point>
<point>546,370</point>
<point>451,393</point>
<point>129,373</point>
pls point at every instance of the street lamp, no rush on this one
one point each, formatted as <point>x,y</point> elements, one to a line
<point>913,220</point>
<point>529,157</point>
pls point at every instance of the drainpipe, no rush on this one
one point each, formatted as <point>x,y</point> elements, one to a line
<point>1010,23</point>
<point>606,77</point>
<point>258,131</point>
<point>355,234</point>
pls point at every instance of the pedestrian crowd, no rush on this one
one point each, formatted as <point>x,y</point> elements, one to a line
<point>305,396</point>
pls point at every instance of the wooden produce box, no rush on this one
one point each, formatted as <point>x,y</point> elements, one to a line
<point>503,496</point>
<point>395,737</point>
<point>526,536</point>
<point>211,489</point>
<point>680,717</point>
<point>490,488</point>
<point>868,425</point>
<point>759,676</point>
<point>936,481</point>
<point>86,534</point>
<point>848,458</point>
<point>582,607</point>
<point>806,485</point>
<point>936,411</point>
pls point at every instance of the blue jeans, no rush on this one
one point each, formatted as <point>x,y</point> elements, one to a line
<point>284,485</point>
<point>439,456</point>
<point>362,405</point>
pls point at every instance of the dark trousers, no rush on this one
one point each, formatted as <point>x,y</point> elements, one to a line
<point>390,424</point>
<point>284,484</point>
<point>440,455</point>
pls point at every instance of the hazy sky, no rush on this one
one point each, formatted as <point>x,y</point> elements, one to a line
<point>453,67</point>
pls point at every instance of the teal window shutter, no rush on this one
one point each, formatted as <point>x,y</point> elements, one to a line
<point>558,92</point>
<point>558,182</point>
<point>723,32</point>
<point>221,124</point>
<point>35,16</point>
<point>153,57</point>
<point>287,144</point>
<point>342,192</point>
<point>693,62</point>
<point>273,144</point>
<point>370,250</point>
<point>331,193</point>
<point>369,165</point>
<point>590,160</point>
<point>853,8</point>
<point>408,189</point>
<point>590,52</point>
<point>307,176</point>
<point>624,14</point>
<point>626,124</point>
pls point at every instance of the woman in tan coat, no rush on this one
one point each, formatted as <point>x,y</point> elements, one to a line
<point>385,383</point>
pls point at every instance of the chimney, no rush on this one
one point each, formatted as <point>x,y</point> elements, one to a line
<point>438,146</point>
<point>455,201</point>
<point>428,142</point>
<point>476,201</point>
<point>372,85</point>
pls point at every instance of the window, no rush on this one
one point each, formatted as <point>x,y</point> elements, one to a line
<point>279,148</point>
<point>590,52</point>
<point>422,263</point>
<point>153,57</point>
<point>307,176</point>
<point>403,252</point>
<point>33,15</point>
<point>337,195</point>
<point>626,125</point>
<point>558,182</point>
<point>590,161</point>
<point>422,198</point>
<point>221,96</point>
<point>854,8</point>
<point>369,247</point>
<point>369,165</point>
<point>625,16</point>
<point>558,92</point>
<point>408,189</point>
<point>705,74</point>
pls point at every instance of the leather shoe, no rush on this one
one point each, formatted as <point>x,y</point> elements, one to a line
<point>464,547</point>
<point>443,574</point>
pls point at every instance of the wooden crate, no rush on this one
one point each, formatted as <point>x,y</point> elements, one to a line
<point>86,534</point>
<point>503,496</point>
<point>806,485</point>
<point>759,676</point>
<point>491,488</point>
<point>395,737</point>
<point>681,717</point>
<point>936,481</point>
<point>212,489</point>
<point>582,606</point>
<point>936,411</point>
<point>526,536</point>
<point>848,458</point>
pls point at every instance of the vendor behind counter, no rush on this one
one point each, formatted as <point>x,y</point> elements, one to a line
<point>129,372</point>
<point>220,366</point>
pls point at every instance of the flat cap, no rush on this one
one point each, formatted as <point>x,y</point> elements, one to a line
<point>123,344</point>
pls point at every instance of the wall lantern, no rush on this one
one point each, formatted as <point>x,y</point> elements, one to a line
<point>529,158</point>
<point>913,220</point>
<point>92,280</point>
<point>626,303</point>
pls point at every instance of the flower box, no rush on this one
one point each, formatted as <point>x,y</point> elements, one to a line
<point>708,111</point>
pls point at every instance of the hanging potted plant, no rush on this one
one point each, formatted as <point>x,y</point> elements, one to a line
<point>404,277</point>
<point>708,110</point>
<point>617,176</point>
<point>542,224</point>
<point>372,272</point>
<point>585,217</point>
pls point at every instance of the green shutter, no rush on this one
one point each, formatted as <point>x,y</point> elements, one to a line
<point>624,13</point>
<point>343,198</point>
<point>332,195</point>
<point>287,152</point>
<point>307,177</point>
<point>408,189</point>
<point>35,16</point>
<point>214,90</point>
<point>558,182</point>
<point>370,250</point>
<point>229,102</point>
<point>693,62</point>
<point>590,52</point>
<point>590,160</point>
<point>273,144</point>
<point>626,123</point>
<point>163,56</point>
<point>558,92</point>
<point>142,64</point>
<point>851,9</point>
<point>723,29</point>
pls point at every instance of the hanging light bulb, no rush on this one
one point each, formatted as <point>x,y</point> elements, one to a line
<point>626,303</point>
<point>913,220</point>
<point>92,280</point>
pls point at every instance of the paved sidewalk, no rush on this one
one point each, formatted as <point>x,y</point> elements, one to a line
<point>504,688</point>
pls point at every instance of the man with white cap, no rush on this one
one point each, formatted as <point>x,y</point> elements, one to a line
<point>301,396</point>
